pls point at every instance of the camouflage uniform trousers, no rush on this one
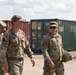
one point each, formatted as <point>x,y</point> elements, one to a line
<point>58,70</point>
<point>15,67</point>
<point>1,72</point>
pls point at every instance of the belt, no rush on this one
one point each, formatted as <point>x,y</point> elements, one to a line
<point>13,58</point>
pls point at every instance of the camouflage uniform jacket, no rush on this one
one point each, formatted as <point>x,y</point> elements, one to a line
<point>15,45</point>
<point>52,48</point>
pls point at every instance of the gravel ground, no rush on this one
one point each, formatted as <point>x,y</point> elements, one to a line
<point>70,67</point>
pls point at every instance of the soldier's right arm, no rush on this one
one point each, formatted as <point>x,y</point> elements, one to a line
<point>4,45</point>
<point>29,52</point>
<point>44,45</point>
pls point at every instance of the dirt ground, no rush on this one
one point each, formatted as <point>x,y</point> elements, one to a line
<point>70,67</point>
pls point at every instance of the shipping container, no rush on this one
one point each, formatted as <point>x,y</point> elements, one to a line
<point>67,29</point>
<point>25,26</point>
<point>8,23</point>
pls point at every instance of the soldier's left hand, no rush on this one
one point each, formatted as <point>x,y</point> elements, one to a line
<point>33,62</point>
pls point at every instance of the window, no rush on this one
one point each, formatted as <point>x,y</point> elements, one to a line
<point>33,25</point>
<point>39,25</point>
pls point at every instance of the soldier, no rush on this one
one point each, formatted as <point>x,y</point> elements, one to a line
<point>2,30</point>
<point>14,46</point>
<point>52,51</point>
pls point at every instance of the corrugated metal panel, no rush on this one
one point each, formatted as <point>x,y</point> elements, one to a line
<point>26,29</point>
<point>67,29</point>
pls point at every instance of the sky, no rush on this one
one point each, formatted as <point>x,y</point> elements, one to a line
<point>38,9</point>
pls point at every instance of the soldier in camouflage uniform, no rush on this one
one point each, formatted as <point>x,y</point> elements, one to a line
<point>52,51</point>
<point>2,29</point>
<point>14,46</point>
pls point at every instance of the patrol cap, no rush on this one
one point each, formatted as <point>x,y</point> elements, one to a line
<point>53,24</point>
<point>2,25</point>
<point>16,18</point>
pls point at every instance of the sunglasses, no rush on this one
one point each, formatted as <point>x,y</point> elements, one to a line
<point>53,27</point>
